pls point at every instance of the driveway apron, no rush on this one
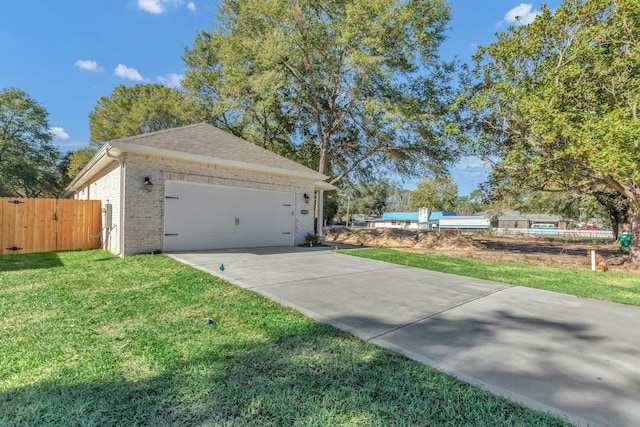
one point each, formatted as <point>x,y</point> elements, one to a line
<point>575,357</point>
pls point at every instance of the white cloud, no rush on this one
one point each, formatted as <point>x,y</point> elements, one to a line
<point>88,65</point>
<point>469,173</point>
<point>59,133</point>
<point>151,6</point>
<point>522,14</point>
<point>160,6</point>
<point>128,73</point>
<point>472,167</point>
<point>172,80</point>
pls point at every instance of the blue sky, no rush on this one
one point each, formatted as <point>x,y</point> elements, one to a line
<point>67,54</point>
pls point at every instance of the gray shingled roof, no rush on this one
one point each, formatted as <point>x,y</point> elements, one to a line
<point>511,215</point>
<point>205,140</point>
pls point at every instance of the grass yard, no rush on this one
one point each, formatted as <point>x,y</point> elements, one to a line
<point>616,287</point>
<point>92,340</point>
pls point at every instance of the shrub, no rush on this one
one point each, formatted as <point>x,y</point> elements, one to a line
<point>313,239</point>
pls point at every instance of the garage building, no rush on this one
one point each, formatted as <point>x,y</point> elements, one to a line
<point>197,187</point>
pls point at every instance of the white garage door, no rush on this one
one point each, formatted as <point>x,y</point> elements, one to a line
<point>199,216</point>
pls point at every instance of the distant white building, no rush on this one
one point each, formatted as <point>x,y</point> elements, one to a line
<point>465,222</point>
<point>424,219</point>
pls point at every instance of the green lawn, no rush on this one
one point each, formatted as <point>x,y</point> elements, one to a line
<point>617,287</point>
<point>92,340</point>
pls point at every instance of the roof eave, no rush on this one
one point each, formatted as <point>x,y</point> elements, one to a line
<point>324,186</point>
<point>95,165</point>
<point>161,152</point>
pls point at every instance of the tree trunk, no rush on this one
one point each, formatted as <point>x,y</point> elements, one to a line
<point>324,156</point>
<point>615,228</point>
<point>634,221</point>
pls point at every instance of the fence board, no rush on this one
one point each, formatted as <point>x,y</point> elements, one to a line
<point>4,219</point>
<point>45,225</point>
<point>66,232</point>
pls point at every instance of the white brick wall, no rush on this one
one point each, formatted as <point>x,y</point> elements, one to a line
<point>144,211</point>
<point>105,186</point>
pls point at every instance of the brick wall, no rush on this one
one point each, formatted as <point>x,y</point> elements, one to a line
<point>105,186</point>
<point>144,210</point>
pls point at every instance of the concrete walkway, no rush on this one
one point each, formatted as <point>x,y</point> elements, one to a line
<point>575,357</point>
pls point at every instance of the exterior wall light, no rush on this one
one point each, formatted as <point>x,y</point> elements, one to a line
<point>306,198</point>
<point>148,185</point>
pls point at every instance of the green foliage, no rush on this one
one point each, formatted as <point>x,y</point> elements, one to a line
<point>330,205</point>
<point>367,198</point>
<point>139,109</point>
<point>557,100</point>
<point>568,204</point>
<point>437,194</point>
<point>615,206</point>
<point>29,163</point>
<point>78,159</point>
<point>473,203</point>
<point>399,200</point>
<point>349,88</point>
<point>605,204</point>
<point>313,239</point>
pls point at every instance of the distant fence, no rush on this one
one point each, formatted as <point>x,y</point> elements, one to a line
<point>46,225</point>
<point>561,234</point>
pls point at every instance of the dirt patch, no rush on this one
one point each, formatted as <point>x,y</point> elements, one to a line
<point>446,242</point>
<point>553,253</point>
<point>372,237</point>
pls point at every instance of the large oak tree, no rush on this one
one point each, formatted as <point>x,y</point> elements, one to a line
<point>557,102</point>
<point>438,194</point>
<point>141,108</point>
<point>29,163</point>
<point>350,87</point>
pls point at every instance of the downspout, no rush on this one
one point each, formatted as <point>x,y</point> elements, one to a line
<point>121,210</point>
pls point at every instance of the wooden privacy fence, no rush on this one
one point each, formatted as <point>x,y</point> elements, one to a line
<point>46,225</point>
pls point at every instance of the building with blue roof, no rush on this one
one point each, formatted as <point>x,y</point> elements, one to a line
<point>400,216</point>
<point>423,219</point>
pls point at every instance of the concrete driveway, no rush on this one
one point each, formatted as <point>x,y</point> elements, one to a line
<point>575,357</point>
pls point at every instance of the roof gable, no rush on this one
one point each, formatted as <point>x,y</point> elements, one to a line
<point>206,141</point>
<point>200,143</point>
<point>511,215</point>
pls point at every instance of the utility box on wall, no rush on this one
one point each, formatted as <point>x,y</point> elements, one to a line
<point>107,212</point>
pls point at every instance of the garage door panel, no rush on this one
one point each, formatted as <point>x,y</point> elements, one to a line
<point>197,240</point>
<point>266,239</point>
<point>216,217</point>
